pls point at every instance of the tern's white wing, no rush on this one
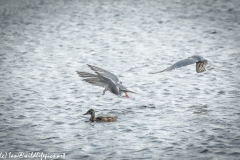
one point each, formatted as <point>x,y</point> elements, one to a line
<point>93,79</point>
<point>104,73</point>
<point>99,80</point>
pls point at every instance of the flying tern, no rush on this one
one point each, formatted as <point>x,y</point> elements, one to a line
<point>105,79</point>
<point>200,61</point>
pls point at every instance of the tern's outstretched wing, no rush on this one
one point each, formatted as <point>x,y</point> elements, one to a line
<point>93,79</point>
<point>104,73</point>
<point>99,80</point>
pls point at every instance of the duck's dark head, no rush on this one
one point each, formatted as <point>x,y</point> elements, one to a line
<point>90,111</point>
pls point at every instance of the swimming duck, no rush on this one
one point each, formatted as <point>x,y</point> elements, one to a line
<point>99,119</point>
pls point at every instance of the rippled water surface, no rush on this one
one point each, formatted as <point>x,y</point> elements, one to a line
<point>175,115</point>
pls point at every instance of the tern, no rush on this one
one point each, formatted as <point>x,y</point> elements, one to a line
<point>105,79</point>
<point>200,61</point>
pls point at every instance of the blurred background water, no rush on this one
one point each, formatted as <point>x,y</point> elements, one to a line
<point>175,115</point>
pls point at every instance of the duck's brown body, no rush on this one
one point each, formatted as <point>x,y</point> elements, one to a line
<point>99,119</point>
<point>104,119</point>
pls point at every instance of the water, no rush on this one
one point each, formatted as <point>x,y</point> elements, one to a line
<point>175,115</point>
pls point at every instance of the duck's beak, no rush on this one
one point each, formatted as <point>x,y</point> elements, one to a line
<point>85,113</point>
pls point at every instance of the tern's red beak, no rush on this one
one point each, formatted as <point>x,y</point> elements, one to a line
<point>126,94</point>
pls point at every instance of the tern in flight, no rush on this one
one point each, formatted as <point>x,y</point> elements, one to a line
<point>200,61</point>
<point>105,79</point>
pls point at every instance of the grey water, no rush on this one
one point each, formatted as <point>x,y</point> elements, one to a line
<point>175,115</point>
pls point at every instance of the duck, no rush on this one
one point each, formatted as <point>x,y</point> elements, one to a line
<point>93,118</point>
